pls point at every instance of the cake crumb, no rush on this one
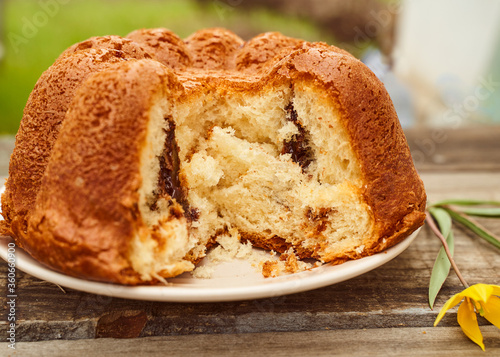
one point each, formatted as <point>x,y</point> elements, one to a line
<point>270,264</point>
<point>270,268</point>
<point>290,260</point>
<point>287,132</point>
<point>288,263</point>
<point>229,248</point>
<point>203,272</point>
<point>360,249</point>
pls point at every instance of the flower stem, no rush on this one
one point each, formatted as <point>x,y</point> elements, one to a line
<point>436,231</point>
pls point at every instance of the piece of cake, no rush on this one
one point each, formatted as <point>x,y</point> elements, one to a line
<point>295,145</point>
<point>42,118</point>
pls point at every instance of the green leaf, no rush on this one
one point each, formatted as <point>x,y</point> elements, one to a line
<point>482,211</point>
<point>442,265</point>
<point>442,218</point>
<point>475,227</point>
<point>465,202</point>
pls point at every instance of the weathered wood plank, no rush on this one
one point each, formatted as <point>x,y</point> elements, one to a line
<point>472,149</point>
<point>439,341</point>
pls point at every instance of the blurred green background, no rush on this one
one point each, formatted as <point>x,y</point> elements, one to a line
<point>36,32</point>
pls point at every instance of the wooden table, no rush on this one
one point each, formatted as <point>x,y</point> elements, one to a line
<point>381,313</point>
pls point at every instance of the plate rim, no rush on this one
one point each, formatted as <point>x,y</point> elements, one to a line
<point>315,278</point>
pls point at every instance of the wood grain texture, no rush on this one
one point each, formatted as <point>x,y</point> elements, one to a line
<point>381,342</point>
<point>386,307</point>
<point>463,149</point>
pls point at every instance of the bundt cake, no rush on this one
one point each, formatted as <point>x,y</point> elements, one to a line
<point>135,153</point>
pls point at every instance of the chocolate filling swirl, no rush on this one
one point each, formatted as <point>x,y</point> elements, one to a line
<point>298,146</point>
<point>169,184</point>
<point>168,178</point>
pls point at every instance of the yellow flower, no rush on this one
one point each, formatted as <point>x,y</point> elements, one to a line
<point>478,298</point>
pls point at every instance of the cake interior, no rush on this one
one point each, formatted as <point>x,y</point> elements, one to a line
<point>275,164</point>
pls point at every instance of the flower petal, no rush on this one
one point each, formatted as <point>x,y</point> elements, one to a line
<point>495,290</point>
<point>454,300</point>
<point>468,322</point>
<point>479,292</point>
<point>492,311</point>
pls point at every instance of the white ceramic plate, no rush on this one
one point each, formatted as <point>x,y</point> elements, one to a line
<point>235,280</point>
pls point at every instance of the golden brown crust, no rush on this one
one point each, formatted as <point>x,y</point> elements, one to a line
<point>277,244</point>
<point>78,235</point>
<point>262,51</point>
<point>214,49</point>
<point>129,48</point>
<point>42,118</point>
<point>97,157</point>
<point>165,46</point>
